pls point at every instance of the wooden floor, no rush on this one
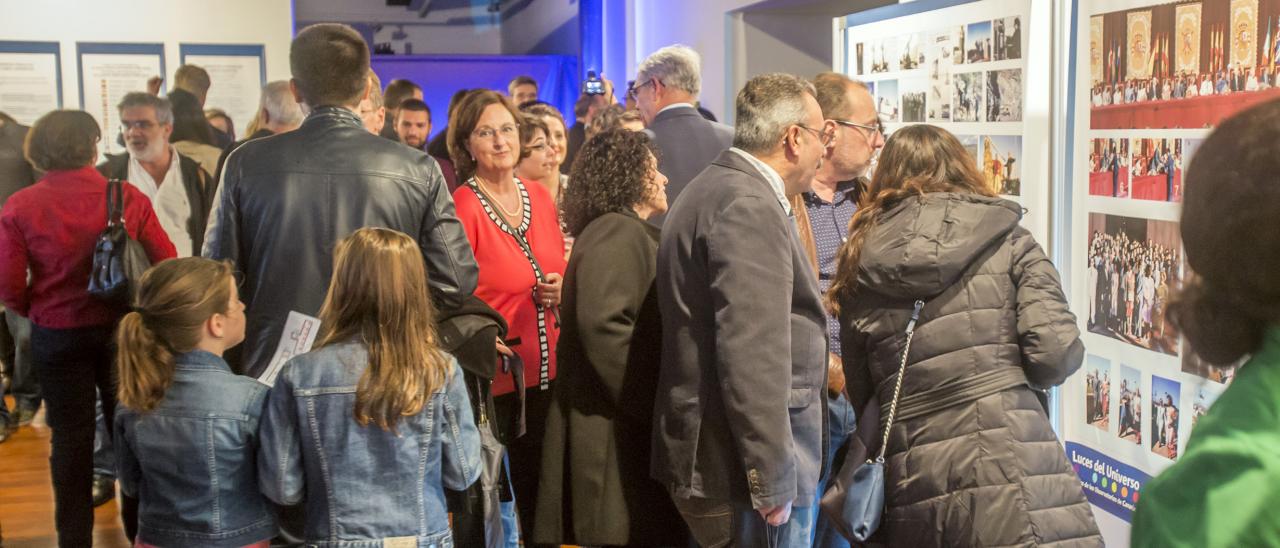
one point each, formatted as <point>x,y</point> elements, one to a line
<point>26,494</point>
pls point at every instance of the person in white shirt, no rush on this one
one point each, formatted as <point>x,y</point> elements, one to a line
<point>1251,81</point>
<point>1206,86</point>
<point>181,192</point>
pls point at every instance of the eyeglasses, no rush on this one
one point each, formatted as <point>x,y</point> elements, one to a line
<point>635,90</point>
<point>823,136</point>
<point>873,130</point>
<point>143,125</point>
<point>507,131</point>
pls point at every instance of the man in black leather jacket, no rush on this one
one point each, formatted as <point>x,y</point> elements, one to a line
<point>287,199</point>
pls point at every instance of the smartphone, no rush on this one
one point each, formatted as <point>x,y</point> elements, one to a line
<point>594,85</point>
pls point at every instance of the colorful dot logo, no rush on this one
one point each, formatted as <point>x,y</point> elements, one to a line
<point>1113,487</point>
<point>1124,492</point>
<point>1135,497</point>
<point>1104,483</point>
<point>1095,477</point>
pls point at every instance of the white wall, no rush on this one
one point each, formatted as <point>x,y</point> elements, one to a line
<point>544,27</point>
<point>267,22</point>
<point>485,39</point>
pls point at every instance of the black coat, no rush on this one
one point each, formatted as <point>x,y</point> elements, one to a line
<point>595,487</point>
<point>200,187</point>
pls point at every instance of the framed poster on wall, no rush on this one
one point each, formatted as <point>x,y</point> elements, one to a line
<point>963,66</point>
<point>30,79</point>
<point>236,74</point>
<point>1151,80</point>
<point>108,71</point>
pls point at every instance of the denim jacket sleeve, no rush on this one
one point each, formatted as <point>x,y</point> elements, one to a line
<point>460,456</point>
<point>280,473</point>
<point>128,470</point>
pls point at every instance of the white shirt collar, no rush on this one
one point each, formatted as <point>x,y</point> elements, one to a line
<point>676,105</point>
<point>775,180</point>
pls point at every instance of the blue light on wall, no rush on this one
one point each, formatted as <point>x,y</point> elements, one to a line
<point>591,24</point>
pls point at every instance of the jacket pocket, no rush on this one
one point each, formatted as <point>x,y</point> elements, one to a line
<point>800,397</point>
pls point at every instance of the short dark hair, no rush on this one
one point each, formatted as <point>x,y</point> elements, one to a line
<point>397,91</point>
<point>521,80</point>
<point>609,175</point>
<point>464,122</point>
<point>529,126</point>
<point>330,65</point>
<point>415,105</point>
<point>63,139</point>
<point>192,78</point>
<point>189,123</point>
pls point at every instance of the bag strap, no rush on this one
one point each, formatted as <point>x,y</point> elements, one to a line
<point>897,386</point>
<point>115,202</point>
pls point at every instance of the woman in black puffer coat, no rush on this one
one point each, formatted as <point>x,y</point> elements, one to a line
<point>972,459</point>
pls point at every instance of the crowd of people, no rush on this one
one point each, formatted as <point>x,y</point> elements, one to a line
<point>1129,282</point>
<point>1235,79</point>
<point>673,376</point>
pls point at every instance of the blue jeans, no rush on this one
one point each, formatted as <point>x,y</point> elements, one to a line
<point>842,420</point>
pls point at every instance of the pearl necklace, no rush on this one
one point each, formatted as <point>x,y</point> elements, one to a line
<point>493,197</point>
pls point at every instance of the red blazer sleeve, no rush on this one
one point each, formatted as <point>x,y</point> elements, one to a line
<point>143,226</point>
<point>13,260</point>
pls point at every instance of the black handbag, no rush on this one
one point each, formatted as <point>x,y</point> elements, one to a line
<point>855,500</point>
<point>118,260</point>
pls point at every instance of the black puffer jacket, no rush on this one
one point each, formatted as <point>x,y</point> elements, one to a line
<point>972,459</point>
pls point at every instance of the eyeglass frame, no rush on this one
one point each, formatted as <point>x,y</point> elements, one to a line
<point>634,91</point>
<point>876,129</point>
<point>824,137</point>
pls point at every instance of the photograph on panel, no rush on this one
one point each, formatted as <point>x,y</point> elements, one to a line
<point>978,42</point>
<point>887,101</point>
<point>858,50</point>
<point>1134,266</point>
<point>1206,394</point>
<point>1193,364</point>
<point>942,53</point>
<point>1183,64</point>
<point>966,102</point>
<point>1109,167</point>
<point>912,49</point>
<point>883,54</point>
<point>1002,163</point>
<point>1008,36</point>
<point>1130,411</point>
<point>1097,391</point>
<point>913,92</point>
<point>972,144</point>
<point>1004,95</point>
<point>1156,169</point>
<point>1166,396</point>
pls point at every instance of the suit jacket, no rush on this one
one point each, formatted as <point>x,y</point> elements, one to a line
<point>687,143</point>
<point>741,408</point>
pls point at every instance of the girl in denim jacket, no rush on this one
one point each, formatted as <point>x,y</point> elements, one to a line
<point>367,430</point>
<point>186,434</point>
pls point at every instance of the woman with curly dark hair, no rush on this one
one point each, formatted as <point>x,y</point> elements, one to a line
<point>595,488</point>
<point>1228,311</point>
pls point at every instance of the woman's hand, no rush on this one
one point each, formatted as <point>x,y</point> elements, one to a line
<point>548,291</point>
<point>504,349</point>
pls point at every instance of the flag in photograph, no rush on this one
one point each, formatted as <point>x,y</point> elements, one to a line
<point>1188,40</point>
<point>1244,33</point>
<point>1095,49</point>
<point>1139,37</point>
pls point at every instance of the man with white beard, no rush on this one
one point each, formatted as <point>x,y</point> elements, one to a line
<point>181,192</point>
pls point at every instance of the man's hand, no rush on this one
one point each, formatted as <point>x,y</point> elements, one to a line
<point>776,515</point>
<point>153,85</point>
<point>835,375</point>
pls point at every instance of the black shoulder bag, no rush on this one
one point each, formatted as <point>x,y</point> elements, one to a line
<point>118,260</point>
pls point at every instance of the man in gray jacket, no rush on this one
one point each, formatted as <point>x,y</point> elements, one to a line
<point>666,90</point>
<point>287,199</point>
<point>739,429</point>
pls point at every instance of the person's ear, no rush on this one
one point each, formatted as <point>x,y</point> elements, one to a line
<point>293,89</point>
<point>216,326</point>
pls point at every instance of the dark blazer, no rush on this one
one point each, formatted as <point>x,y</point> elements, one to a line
<point>595,487</point>
<point>740,412</point>
<point>687,144</point>
<point>200,187</point>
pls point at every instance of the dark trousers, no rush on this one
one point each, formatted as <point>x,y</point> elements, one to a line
<point>73,366</point>
<point>525,453</point>
<point>15,351</point>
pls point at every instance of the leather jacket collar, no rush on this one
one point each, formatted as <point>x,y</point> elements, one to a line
<point>333,114</point>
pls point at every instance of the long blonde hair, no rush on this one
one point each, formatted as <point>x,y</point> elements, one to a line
<point>917,160</point>
<point>378,296</point>
<point>175,299</point>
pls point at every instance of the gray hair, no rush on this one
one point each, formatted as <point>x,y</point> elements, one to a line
<point>278,101</point>
<point>766,107</point>
<point>164,109</point>
<point>676,66</point>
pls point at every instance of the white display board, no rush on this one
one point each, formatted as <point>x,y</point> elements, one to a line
<point>107,73</point>
<point>30,79</point>
<point>237,73</point>
<point>1129,411</point>
<point>963,66</point>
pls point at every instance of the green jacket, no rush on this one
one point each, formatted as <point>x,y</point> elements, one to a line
<point>1225,491</point>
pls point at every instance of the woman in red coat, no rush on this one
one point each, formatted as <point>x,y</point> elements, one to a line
<point>515,233</point>
<point>50,229</point>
